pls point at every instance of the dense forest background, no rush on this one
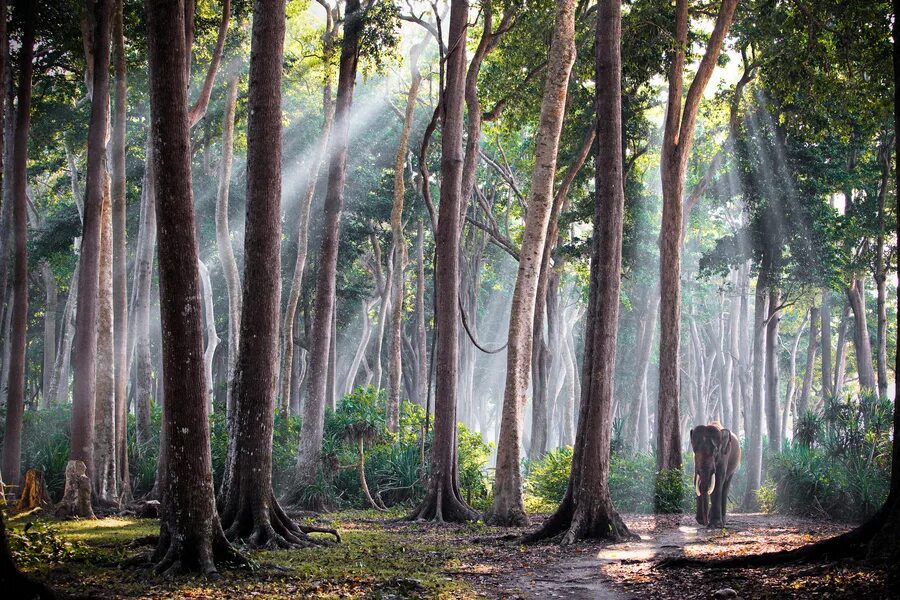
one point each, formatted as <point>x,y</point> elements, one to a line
<point>757,285</point>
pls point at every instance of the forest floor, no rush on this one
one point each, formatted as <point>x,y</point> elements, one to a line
<point>381,558</point>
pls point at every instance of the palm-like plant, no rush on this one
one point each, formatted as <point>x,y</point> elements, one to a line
<point>360,418</point>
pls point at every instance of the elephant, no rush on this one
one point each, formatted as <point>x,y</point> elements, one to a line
<point>717,455</point>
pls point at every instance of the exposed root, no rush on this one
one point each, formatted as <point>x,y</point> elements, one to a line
<point>586,522</point>
<point>513,518</point>
<point>441,507</point>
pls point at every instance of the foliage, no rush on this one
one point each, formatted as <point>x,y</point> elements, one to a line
<point>670,491</point>
<point>840,467</point>
<point>38,543</point>
<point>472,456</point>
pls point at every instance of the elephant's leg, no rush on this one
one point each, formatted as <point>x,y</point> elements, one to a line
<point>724,498</point>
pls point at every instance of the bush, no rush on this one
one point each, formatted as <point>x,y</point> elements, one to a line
<point>839,464</point>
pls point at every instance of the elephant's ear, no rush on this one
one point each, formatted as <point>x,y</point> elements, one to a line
<point>692,437</point>
<point>726,440</point>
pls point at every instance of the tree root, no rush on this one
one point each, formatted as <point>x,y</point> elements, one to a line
<point>443,506</point>
<point>571,524</point>
<point>271,528</point>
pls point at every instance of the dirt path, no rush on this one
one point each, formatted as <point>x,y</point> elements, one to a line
<point>628,570</point>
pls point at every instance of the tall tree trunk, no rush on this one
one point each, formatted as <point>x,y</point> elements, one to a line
<point>508,507</point>
<point>678,138</point>
<point>884,158</point>
<point>772,372</point>
<point>212,338</point>
<point>248,506</point>
<point>315,166</point>
<point>737,329</point>
<point>84,361</point>
<point>586,510</point>
<point>58,392</point>
<point>754,417</point>
<point>861,341</point>
<point>827,377</point>
<point>120,257</point>
<point>443,501</point>
<point>50,310</point>
<point>223,240</point>
<point>840,355</point>
<point>422,383</point>
<point>313,423</point>
<point>140,309</point>
<point>104,472</point>
<point>15,398</point>
<point>399,243</point>
<point>191,536</point>
<point>811,347</point>
<point>790,395</point>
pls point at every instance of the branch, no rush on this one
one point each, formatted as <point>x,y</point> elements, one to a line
<point>199,109</point>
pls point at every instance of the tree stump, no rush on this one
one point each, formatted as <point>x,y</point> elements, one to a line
<point>76,500</point>
<point>34,492</point>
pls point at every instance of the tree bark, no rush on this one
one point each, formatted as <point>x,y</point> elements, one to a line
<point>191,536</point>
<point>84,361</point>
<point>586,510</point>
<point>884,158</point>
<point>443,501</point>
<point>791,394</point>
<point>212,338</point>
<point>772,373</point>
<point>140,309</point>
<point>422,383</point>
<point>508,507</point>
<point>827,377</point>
<point>395,365</point>
<point>50,309</point>
<point>15,398</point>
<point>840,355</point>
<point>312,426</point>
<point>120,256</point>
<point>861,341</point>
<point>677,141</point>
<point>223,240</point>
<point>248,507</point>
<point>104,473</point>
<point>755,416</point>
<point>811,347</point>
<point>315,166</point>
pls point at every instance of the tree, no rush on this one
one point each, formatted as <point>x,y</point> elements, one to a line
<point>15,404</point>
<point>313,423</point>
<point>223,235</point>
<point>120,257</point>
<point>191,536</point>
<point>586,511</point>
<point>249,510</point>
<point>443,501</point>
<point>85,344</point>
<point>678,139</point>
<point>508,506</point>
<point>399,242</point>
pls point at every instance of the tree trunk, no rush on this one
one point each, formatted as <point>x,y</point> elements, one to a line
<point>586,510</point>
<point>15,397</point>
<point>59,378</point>
<point>104,472</point>
<point>50,310</point>
<point>443,501</point>
<point>313,423</point>
<point>508,507</point>
<point>861,341</point>
<point>212,338</point>
<point>120,256</point>
<point>315,165</point>
<point>677,141</point>
<point>191,536</point>
<point>84,361</point>
<point>790,395</point>
<point>248,507</point>
<point>827,377</point>
<point>840,355</point>
<point>811,347</point>
<point>884,158</point>
<point>223,240</point>
<point>140,310</point>
<point>755,416</point>
<point>422,384</point>
<point>399,243</point>
<point>772,373</point>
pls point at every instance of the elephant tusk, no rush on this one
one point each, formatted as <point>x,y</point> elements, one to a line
<point>697,484</point>
<point>712,484</point>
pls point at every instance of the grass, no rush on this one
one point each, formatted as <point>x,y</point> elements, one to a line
<point>376,559</point>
